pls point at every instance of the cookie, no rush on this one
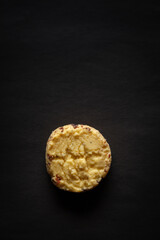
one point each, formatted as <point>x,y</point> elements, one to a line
<point>77,157</point>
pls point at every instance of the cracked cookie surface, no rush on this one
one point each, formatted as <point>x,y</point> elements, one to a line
<point>77,157</point>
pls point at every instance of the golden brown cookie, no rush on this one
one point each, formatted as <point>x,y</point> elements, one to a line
<point>77,157</point>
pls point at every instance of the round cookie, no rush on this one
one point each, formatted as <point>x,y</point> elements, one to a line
<point>77,157</point>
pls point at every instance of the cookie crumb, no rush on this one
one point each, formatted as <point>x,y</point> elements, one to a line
<point>58,178</point>
<point>74,126</point>
<point>50,157</point>
<point>61,128</point>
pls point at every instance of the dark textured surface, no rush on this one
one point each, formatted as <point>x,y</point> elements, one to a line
<point>96,64</point>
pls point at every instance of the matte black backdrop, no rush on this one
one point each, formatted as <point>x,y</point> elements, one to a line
<point>95,64</point>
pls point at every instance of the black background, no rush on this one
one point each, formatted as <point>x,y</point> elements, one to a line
<point>90,63</point>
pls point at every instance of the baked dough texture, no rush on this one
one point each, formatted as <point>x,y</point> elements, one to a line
<point>77,157</point>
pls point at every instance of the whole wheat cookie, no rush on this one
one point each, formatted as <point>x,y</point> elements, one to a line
<point>77,157</point>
